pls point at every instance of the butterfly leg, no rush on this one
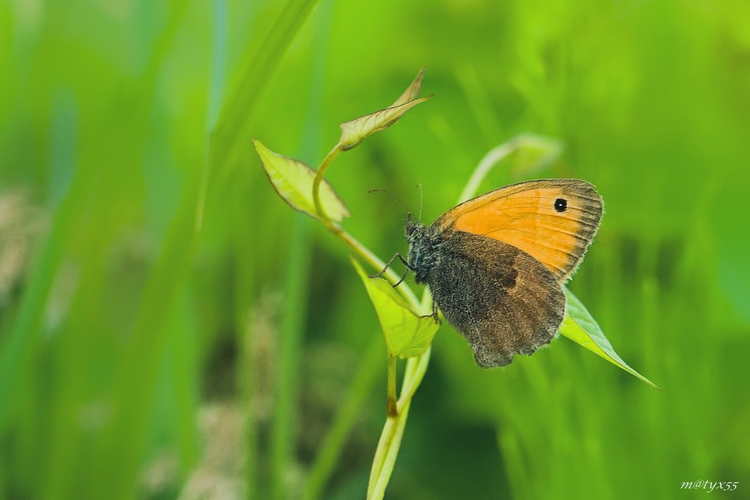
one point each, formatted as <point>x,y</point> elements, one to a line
<point>435,312</point>
<point>388,264</point>
<point>402,278</point>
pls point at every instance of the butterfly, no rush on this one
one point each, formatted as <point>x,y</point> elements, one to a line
<point>495,264</point>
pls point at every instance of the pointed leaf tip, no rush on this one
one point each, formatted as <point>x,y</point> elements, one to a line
<point>412,91</point>
<point>293,181</point>
<point>580,327</point>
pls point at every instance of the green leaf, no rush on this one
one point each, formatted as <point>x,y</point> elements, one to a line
<point>580,327</point>
<point>353,132</point>
<point>407,334</point>
<point>293,180</point>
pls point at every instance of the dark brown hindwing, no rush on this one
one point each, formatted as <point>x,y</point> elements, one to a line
<point>500,298</point>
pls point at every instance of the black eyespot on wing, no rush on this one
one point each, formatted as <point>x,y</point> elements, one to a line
<point>561,204</point>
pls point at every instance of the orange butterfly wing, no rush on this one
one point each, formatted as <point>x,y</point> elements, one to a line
<point>553,220</point>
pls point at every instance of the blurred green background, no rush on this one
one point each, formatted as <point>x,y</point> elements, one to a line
<point>141,357</point>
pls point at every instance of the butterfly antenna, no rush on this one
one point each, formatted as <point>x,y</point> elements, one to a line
<point>420,202</point>
<point>394,196</point>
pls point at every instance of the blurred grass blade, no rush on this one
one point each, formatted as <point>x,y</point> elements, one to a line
<point>323,467</point>
<point>288,372</point>
<point>580,327</point>
<point>18,348</point>
<point>406,333</point>
<point>220,42</point>
<point>126,433</point>
<point>293,181</point>
<point>228,140</point>
<point>289,369</point>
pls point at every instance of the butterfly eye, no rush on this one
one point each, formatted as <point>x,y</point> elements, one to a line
<point>561,204</point>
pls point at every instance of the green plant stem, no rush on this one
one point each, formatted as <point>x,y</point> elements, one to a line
<point>415,370</point>
<point>362,251</point>
<point>385,457</point>
<point>390,438</point>
<point>392,402</point>
<point>375,262</point>
<point>398,409</point>
<point>319,178</point>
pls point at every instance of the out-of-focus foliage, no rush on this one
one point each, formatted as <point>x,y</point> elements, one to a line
<point>168,327</point>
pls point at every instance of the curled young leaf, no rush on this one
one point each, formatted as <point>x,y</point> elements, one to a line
<point>580,327</point>
<point>412,91</point>
<point>407,334</point>
<point>293,181</point>
<point>353,132</point>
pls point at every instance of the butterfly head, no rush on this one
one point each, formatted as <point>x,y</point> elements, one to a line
<point>422,249</point>
<point>412,226</point>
